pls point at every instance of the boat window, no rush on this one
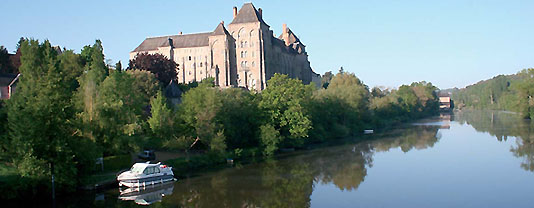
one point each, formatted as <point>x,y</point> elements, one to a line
<point>156,170</point>
<point>149,170</point>
<point>137,169</point>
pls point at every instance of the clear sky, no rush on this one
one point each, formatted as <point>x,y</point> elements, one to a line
<point>385,43</point>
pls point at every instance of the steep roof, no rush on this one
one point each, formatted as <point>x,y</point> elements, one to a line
<point>220,30</point>
<point>248,13</point>
<point>292,37</point>
<point>179,41</point>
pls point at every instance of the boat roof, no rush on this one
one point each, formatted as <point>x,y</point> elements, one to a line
<point>144,165</point>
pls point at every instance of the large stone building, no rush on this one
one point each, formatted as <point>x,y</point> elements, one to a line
<point>245,53</point>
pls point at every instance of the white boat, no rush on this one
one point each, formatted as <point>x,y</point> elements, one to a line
<point>144,174</point>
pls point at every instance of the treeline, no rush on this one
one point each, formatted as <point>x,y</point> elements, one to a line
<point>70,109</point>
<point>504,92</point>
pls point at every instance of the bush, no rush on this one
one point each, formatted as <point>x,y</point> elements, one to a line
<point>119,162</point>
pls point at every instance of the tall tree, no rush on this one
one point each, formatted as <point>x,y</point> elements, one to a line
<point>41,120</point>
<point>5,62</point>
<point>161,120</point>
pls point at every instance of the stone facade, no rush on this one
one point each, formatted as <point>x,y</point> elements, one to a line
<point>244,55</point>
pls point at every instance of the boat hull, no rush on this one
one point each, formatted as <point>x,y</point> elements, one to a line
<point>140,182</point>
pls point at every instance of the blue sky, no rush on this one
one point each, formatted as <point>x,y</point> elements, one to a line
<point>385,43</point>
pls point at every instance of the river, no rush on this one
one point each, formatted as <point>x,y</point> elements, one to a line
<point>469,159</point>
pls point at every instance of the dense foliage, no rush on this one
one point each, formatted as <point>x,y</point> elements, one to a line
<point>71,109</point>
<point>504,92</point>
<point>162,67</point>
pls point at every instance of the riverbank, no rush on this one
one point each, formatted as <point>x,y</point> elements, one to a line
<point>197,163</point>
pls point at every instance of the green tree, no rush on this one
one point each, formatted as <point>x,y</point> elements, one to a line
<point>41,120</point>
<point>199,110</point>
<point>146,83</point>
<point>285,103</point>
<point>525,93</point>
<point>240,118</point>
<point>342,109</point>
<point>161,119</point>
<point>119,110</point>
<point>5,61</point>
<point>118,66</point>
<point>4,138</point>
<point>270,138</point>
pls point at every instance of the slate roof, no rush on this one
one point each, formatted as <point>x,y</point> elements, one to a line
<point>6,79</point>
<point>179,41</point>
<point>220,30</point>
<point>248,13</point>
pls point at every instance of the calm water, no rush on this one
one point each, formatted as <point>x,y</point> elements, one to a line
<point>471,159</point>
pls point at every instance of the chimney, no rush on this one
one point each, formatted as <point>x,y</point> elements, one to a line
<point>235,12</point>
<point>285,34</point>
<point>171,43</point>
<point>261,12</point>
<point>180,33</point>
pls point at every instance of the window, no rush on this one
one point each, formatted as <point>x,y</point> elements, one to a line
<point>156,170</point>
<point>246,44</point>
<point>149,170</point>
<point>193,65</point>
<point>253,64</point>
<point>245,54</point>
<point>252,54</point>
<point>200,64</point>
<point>189,58</point>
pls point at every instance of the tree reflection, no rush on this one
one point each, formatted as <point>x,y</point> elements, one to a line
<point>418,137</point>
<point>503,125</point>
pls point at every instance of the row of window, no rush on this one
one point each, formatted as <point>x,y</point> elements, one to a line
<point>151,170</point>
<point>244,44</point>
<point>244,54</point>
<point>245,64</point>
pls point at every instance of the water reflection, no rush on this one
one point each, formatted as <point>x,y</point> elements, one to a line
<point>330,172</point>
<point>147,195</point>
<point>503,125</point>
<point>289,181</point>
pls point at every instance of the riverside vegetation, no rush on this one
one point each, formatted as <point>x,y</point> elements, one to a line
<point>504,92</point>
<point>70,109</point>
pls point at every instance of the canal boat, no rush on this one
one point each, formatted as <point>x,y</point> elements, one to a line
<point>144,174</point>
